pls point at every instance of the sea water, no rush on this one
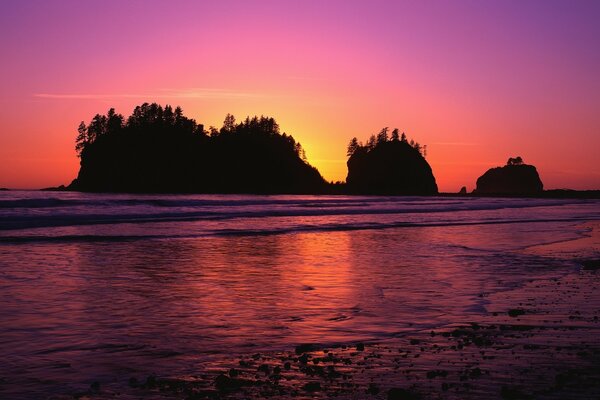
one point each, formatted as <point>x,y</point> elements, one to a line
<point>97,287</point>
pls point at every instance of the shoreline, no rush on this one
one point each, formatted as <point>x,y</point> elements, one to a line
<point>538,340</point>
<point>513,353</point>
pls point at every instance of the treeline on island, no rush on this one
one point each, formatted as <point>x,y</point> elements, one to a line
<point>389,165</point>
<point>159,150</point>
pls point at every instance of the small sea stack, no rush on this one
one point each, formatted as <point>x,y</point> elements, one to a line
<point>515,178</point>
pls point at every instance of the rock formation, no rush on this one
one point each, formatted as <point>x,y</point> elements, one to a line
<point>389,167</point>
<point>515,178</point>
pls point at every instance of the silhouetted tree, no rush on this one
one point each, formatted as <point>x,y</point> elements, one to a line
<point>178,115</point>
<point>417,147</point>
<point>82,139</point>
<point>114,122</point>
<point>228,124</point>
<point>352,146</point>
<point>403,137</point>
<point>300,151</point>
<point>395,135</point>
<point>96,128</point>
<point>169,116</point>
<point>515,161</point>
<point>371,142</point>
<point>382,136</point>
<point>213,132</point>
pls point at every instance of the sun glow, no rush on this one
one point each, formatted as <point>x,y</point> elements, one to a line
<point>450,76</point>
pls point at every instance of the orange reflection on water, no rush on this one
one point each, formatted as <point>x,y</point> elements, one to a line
<point>107,307</point>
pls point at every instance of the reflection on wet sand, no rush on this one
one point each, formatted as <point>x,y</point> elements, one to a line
<point>167,304</point>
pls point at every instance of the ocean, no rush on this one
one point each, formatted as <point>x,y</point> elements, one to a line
<point>100,287</point>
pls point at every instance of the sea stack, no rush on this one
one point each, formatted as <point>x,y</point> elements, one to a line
<point>389,167</point>
<point>515,178</point>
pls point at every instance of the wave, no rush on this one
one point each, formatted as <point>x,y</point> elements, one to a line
<point>174,202</point>
<point>282,230</point>
<point>183,201</point>
<point>36,216</point>
<point>89,215</point>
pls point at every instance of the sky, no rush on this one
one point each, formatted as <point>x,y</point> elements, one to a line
<point>476,81</point>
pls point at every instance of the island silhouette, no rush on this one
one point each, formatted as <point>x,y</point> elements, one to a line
<point>389,166</point>
<point>159,150</point>
<point>515,178</point>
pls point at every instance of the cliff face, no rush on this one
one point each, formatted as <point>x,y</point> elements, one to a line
<point>390,168</point>
<point>511,179</point>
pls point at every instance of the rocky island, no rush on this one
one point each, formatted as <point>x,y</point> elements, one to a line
<point>160,150</point>
<point>389,166</point>
<point>515,178</point>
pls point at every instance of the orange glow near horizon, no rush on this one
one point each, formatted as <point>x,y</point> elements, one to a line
<point>448,74</point>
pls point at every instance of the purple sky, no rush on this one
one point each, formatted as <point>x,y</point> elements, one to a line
<point>477,81</point>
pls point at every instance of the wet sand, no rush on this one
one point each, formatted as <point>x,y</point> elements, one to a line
<point>538,341</point>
